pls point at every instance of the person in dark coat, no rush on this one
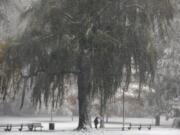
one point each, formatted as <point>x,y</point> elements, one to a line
<point>96,122</point>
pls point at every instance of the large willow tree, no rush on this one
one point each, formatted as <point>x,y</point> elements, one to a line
<point>98,41</point>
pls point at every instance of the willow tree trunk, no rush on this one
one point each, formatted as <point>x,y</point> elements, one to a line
<point>84,91</point>
<point>84,103</point>
<point>102,113</point>
<point>102,109</point>
<point>157,120</point>
<point>107,118</point>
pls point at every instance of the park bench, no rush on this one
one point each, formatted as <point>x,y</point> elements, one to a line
<point>6,127</point>
<point>139,126</point>
<point>29,126</point>
<point>35,126</point>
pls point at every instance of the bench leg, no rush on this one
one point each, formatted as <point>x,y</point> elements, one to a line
<point>20,129</point>
<point>123,128</point>
<point>7,128</point>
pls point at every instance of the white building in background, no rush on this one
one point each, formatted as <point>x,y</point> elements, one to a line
<point>176,103</point>
<point>176,106</point>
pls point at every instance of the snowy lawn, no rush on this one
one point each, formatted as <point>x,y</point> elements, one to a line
<point>158,131</point>
<point>64,126</point>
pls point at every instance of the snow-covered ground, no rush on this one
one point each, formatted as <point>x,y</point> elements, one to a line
<point>65,126</point>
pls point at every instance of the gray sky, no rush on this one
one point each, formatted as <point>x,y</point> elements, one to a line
<point>13,11</point>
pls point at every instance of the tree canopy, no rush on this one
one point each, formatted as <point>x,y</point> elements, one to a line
<point>100,42</point>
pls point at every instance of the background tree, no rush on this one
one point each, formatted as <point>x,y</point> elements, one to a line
<point>166,84</point>
<point>97,41</point>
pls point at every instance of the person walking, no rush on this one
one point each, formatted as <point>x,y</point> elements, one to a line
<point>96,122</point>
